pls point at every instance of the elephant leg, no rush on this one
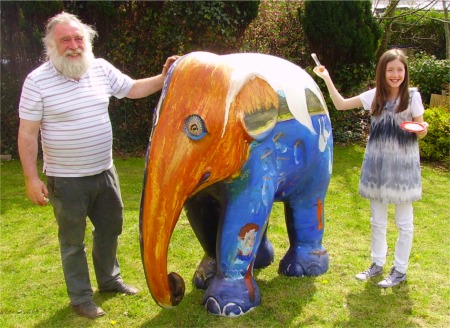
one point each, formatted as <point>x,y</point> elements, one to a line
<point>203,211</point>
<point>304,212</point>
<point>234,291</point>
<point>231,297</point>
<point>306,255</point>
<point>265,253</point>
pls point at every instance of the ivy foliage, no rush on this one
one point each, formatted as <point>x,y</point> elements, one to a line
<point>153,31</point>
<point>135,36</point>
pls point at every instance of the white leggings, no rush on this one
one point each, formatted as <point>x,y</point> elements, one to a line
<point>404,221</point>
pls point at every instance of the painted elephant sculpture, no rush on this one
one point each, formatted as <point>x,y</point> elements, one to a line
<point>231,135</point>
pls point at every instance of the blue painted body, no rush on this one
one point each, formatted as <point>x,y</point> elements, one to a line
<point>281,171</point>
<point>287,167</point>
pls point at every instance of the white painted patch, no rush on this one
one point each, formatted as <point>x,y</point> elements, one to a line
<point>280,74</point>
<point>324,135</point>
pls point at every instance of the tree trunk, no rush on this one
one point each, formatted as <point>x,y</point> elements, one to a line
<point>386,23</point>
<point>447,29</point>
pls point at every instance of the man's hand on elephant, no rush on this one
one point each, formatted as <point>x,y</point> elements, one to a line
<point>168,63</point>
<point>147,86</point>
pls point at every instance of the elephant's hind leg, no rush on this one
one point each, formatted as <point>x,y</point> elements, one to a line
<point>265,253</point>
<point>306,255</point>
<point>205,272</point>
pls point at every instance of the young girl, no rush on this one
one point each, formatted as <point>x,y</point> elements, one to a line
<point>390,171</point>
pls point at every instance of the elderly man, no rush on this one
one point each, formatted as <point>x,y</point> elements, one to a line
<point>67,99</point>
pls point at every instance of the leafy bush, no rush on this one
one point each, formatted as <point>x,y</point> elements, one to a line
<point>214,26</point>
<point>346,42</point>
<point>10,94</point>
<point>156,30</point>
<point>348,126</point>
<point>276,31</point>
<point>435,146</point>
<point>429,74</point>
<point>344,34</point>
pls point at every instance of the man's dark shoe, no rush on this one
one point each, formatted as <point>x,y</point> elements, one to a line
<point>120,287</point>
<point>88,309</point>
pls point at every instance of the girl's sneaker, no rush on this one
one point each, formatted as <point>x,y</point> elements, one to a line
<point>373,271</point>
<point>393,279</point>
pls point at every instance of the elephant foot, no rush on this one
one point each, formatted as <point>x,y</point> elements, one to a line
<point>231,297</point>
<point>264,255</point>
<point>205,272</point>
<point>300,262</point>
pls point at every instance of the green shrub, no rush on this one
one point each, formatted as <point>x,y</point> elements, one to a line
<point>346,41</point>
<point>10,89</point>
<point>348,126</point>
<point>348,51</point>
<point>156,30</point>
<point>429,74</point>
<point>150,31</point>
<point>276,31</point>
<point>435,146</point>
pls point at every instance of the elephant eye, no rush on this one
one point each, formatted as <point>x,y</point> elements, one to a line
<point>195,127</point>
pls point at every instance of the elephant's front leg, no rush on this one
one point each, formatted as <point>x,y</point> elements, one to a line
<point>234,291</point>
<point>305,223</point>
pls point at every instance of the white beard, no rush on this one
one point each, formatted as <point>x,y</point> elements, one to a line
<point>72,68</point>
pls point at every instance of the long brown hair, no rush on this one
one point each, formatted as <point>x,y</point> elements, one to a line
<point>382,89</point>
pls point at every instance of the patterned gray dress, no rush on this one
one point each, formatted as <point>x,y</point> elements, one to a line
<point>390,171</point>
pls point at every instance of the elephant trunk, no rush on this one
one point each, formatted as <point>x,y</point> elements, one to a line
<point>157,225</point>
<point>166,189</point>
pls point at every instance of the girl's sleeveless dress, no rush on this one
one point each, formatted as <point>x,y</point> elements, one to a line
<point>390,171</point>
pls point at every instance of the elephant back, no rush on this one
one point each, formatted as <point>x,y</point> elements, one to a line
<point>297,90</point>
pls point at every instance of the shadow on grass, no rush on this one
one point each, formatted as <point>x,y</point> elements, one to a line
<point>378,307</point>
<point>66,317</point>
<point>282,299</point>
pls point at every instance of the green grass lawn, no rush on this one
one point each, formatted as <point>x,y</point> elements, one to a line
<point>33,292</point>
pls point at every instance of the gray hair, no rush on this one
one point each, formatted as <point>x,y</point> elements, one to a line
<point>89,32</point>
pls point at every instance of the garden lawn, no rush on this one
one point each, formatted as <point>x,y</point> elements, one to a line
<point>33,292</point>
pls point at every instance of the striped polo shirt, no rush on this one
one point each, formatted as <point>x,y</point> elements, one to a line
<point>76,130</point>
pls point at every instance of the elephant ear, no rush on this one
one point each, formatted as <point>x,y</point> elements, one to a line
<point>258,104</point>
